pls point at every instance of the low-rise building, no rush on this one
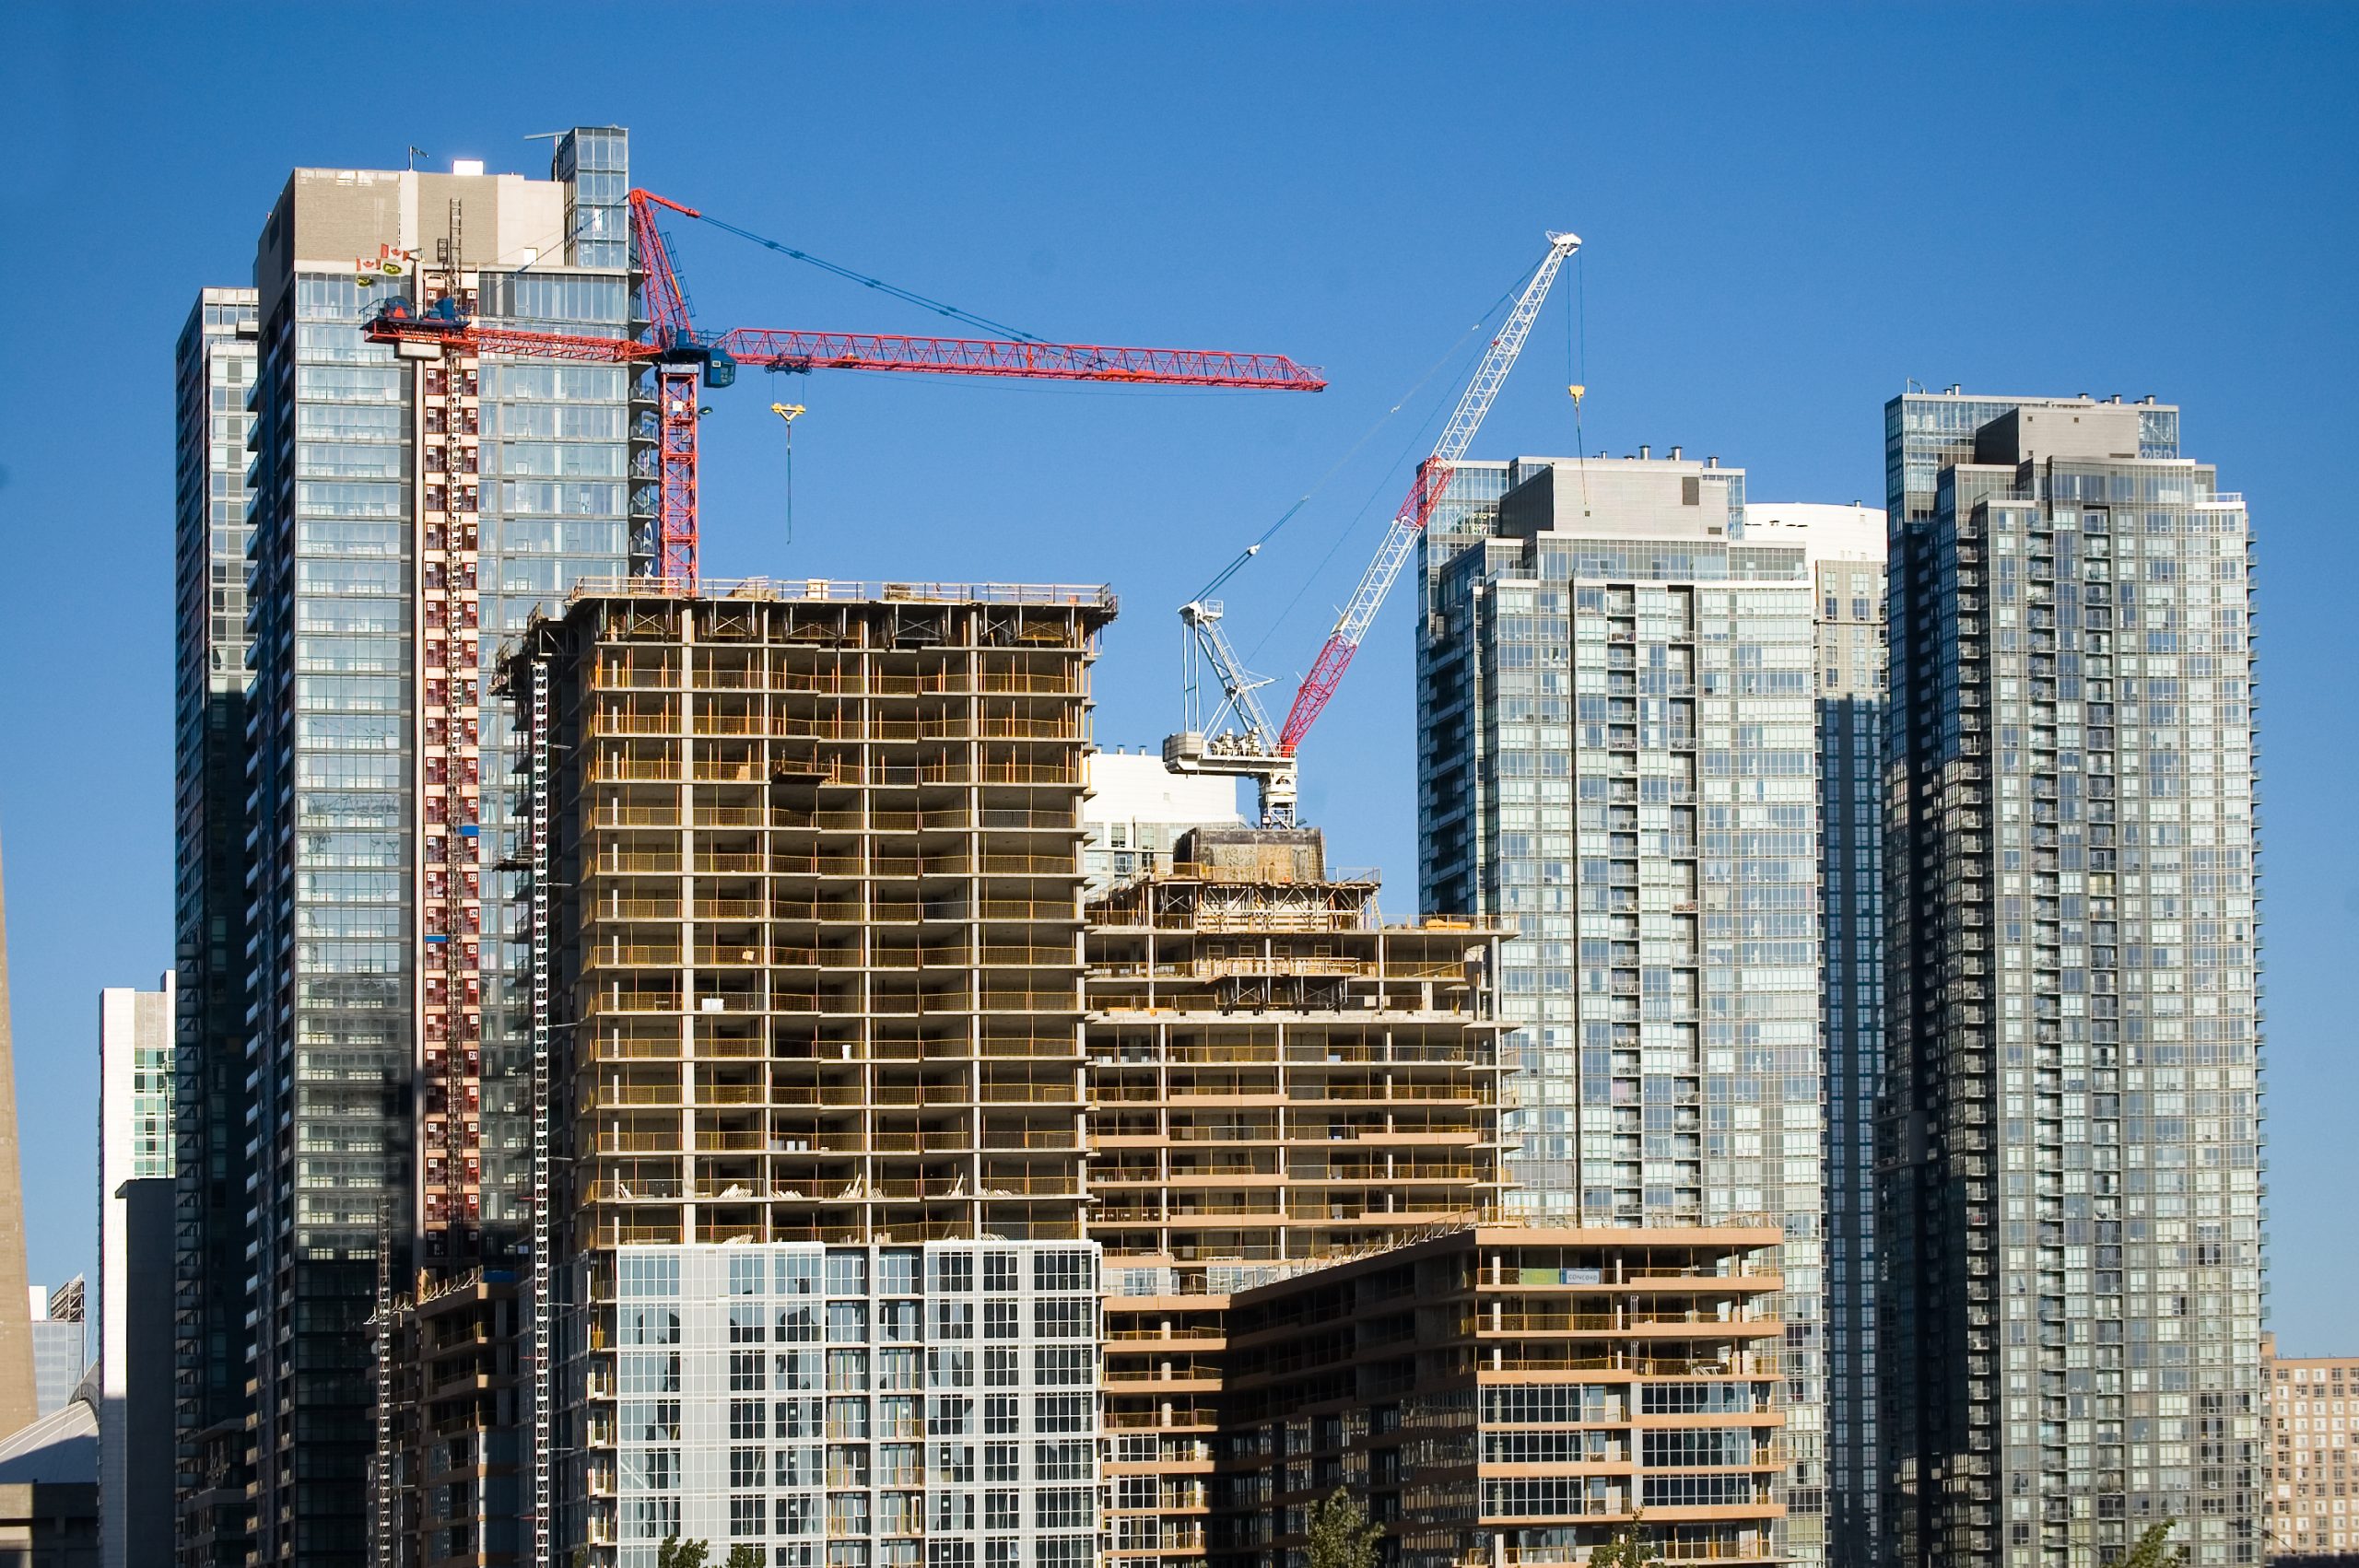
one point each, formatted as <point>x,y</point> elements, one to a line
<point>1509,1395</point>
<point>2311,1505</point>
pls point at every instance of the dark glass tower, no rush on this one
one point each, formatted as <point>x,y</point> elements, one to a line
<point>2067,1145</point>
<point>214,367</point>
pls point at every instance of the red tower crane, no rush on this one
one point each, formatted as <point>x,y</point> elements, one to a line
<point>686,361</point>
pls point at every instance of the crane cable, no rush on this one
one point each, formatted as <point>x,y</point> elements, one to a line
<point>1579,388</point>
<point>1352,524</point>
<point>909,295</point>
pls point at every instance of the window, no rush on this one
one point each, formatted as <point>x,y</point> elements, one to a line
<point>651,1420</point>
<point>1055,1365</point>
<point>1063,1271</point>
<point>1001,1512</point>
<point>798,1323</point>
<point>1002,1367</point>
<point>1065,1508</point>
<point>798,1417</point>
<point>744,1419</point>
<point>998,1273</point>
<point>797,1274</point>
<point>1065,1318</point>
<point>951,1413</point>
<point>747,1325</point>
<point>846,1273</point>
<point>1003,1462</point>
<point>953,1320</point>
<point>746,1466</point>
<point>1698,1491</point>
<point>649,1469</point>
<point>951,1369</point>
<point>1002,1320</point>
<point>1062,1413</point>
<point>749,1515</point>
<point>952,1272</point>
<point>1067,1460</point>
<point>745,1371</point>
<point>1003,1415</point>
<point>651,1372</point>
<point>748,1276</point>
<point>848,1322</point>
<point>648,1324</point>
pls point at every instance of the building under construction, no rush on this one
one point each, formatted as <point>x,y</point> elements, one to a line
<point>805,931</point>
<point>1277,1079</point>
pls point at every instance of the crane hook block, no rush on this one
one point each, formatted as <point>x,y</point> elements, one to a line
<point>1577,391</point>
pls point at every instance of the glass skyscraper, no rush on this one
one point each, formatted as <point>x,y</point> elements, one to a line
<point>214,369</point>
<point>2068,1142</point>
<point>1617,762</point>
<point>407,517</point>
<point>1845,545</point>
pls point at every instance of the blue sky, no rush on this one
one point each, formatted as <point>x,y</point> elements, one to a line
<point>1788,209</point>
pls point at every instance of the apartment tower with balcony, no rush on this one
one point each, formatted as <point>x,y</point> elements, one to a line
<point>2067,1146</point>
<point>1617,764</point>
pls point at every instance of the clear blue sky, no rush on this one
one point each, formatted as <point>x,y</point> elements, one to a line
<point>1789,210</point>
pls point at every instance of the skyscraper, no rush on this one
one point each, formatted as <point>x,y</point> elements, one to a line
<point>1616,736</point>
<point>406,515</point>
<point>2068,1144</point>
<point>215,377</point>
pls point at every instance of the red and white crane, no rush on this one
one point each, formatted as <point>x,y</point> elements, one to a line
<point>1239,742</point>
<point>685,360</point>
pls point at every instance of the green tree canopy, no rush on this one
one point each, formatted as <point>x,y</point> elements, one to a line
<point>2153,1549</point>
<point>677,1553</point>
<point>1627,1547</point>
<point>1341,1536</point>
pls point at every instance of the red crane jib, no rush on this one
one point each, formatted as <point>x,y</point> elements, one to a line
<point>682,357</point>
<point>993,357</point>
<point>773,350</point>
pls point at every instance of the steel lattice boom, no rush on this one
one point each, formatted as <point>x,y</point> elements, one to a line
<point>685,360</point>
<point>1433,478</point>
<point>989,356</point>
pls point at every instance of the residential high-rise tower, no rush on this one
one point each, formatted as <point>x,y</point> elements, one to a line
<point>214,367</point>
<point>2068,1223</point>
<point>405,516</point>
<point>1845,547</point>
<point>1617,762</point>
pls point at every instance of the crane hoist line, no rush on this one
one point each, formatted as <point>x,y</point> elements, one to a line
<point>1238,740</point>
<point>684,359</point>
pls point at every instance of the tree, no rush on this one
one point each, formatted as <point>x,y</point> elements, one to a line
<point>2154,1549</point>
<point>743,1556</point>
<point>1627,1547</point>
<point>1340,1534</point>
<point>677,1553</point>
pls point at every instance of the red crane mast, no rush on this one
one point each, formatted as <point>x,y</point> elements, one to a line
<point>685,361</point>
